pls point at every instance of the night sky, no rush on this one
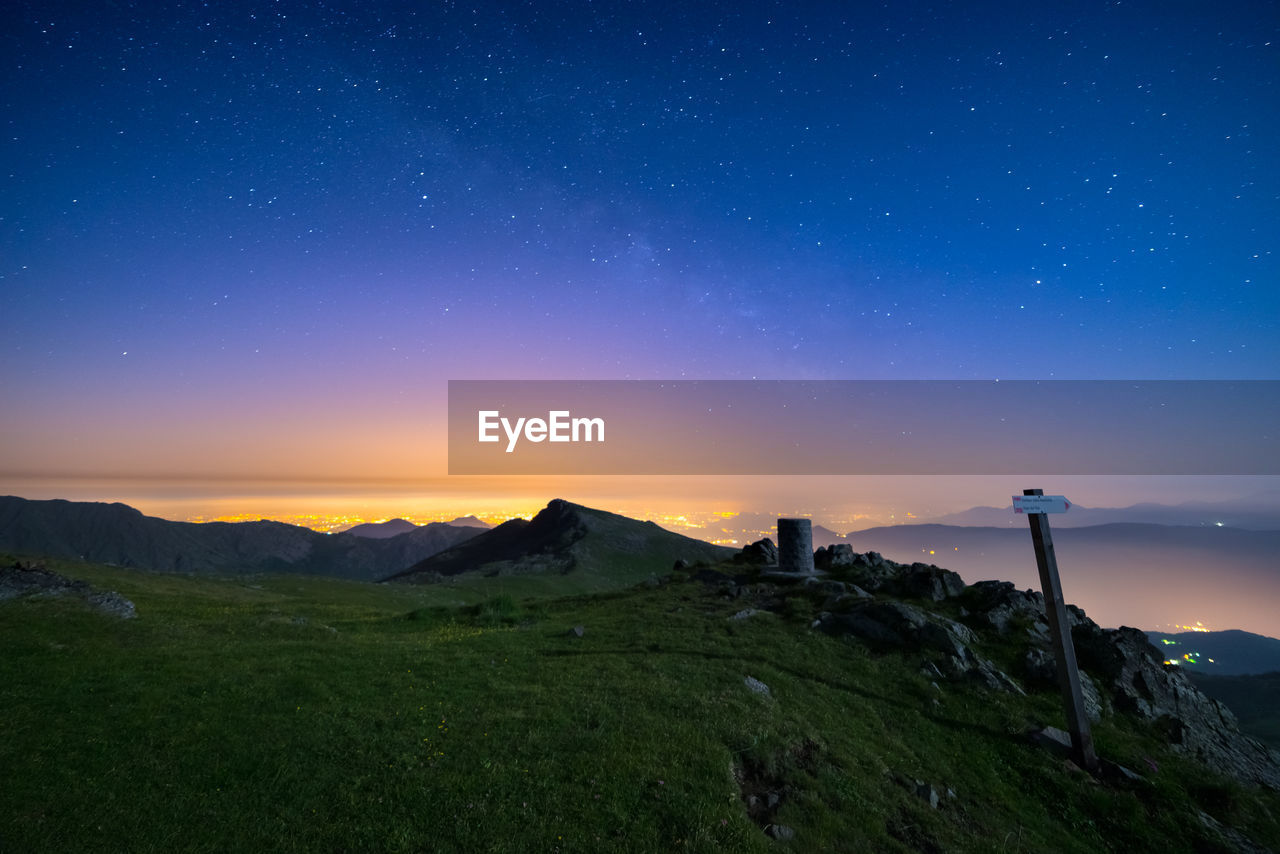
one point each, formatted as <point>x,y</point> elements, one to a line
<point>254,240</point>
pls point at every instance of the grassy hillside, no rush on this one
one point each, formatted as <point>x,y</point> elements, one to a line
<point>308,714</point>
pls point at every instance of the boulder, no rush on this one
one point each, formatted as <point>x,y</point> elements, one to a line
<point>882,623</point>
<point>834,557</point>
<point>926,581</point>
<point>762,552</point>
<point>1000,605</point>
<point>871,570</point>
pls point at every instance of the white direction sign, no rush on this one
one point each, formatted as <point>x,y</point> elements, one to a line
<point>1040,504</point>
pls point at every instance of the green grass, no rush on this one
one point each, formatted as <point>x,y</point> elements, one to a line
<point>302,714</point>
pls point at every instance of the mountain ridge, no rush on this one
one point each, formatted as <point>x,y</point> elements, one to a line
<point>118,534</point>
<point>564,537</point>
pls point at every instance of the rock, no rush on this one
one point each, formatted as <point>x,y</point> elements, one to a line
<point>926,581</point>
<point>930,671</point>
<point>841,554</point>
<point>113,604</point>
<point>1116,771</point>
<point>36,580</point>
<point>947,636</point>
<point>845,601</point>
<point>825,586</point>
<point>756,686</point>
<point>1234,839</point>
<point>578,631</point>
<point>834,557</point>
<point>1054,740</point>
<point>1038,665</point>
<point>989,675</point>
<point>885,623</point>
<point>871,571</point>
<point>744,614</point>
<point>762,552</point>
<point>780,832</point>
<point>999,605</point>
<point>927,793</point>
<point>906,627</point>
<point>680,565</point>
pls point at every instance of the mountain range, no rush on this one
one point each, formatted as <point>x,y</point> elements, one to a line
<point>1261,513</point>
<point>1123,574</point>
<point>392,527</point>
<point>121,535</point>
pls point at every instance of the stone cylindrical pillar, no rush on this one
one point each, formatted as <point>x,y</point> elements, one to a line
<point>795,545</point>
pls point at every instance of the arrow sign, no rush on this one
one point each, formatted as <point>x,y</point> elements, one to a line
<point>1040,504</point>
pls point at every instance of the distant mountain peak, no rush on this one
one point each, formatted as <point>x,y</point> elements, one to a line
<point>468,522</point>
<point>566,537</point>
<point>381,530</point>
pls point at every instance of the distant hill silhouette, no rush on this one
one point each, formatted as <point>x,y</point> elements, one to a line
<point>381,530</point>
<point>1234,652</point>
<point>469,522</point>
<point>565,538</point>
<point>119,534</point>
<point>1257,514</point>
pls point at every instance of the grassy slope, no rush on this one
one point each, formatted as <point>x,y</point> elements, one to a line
<point>217,721</point>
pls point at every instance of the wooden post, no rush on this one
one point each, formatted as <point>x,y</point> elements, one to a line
<point>1064,651</point>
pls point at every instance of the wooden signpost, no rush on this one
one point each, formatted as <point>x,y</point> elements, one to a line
<point>1036,505</point>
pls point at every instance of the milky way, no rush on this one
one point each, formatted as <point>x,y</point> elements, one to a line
<point>246,220</point>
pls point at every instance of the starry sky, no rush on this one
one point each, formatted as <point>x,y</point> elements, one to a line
<point>254,240</point>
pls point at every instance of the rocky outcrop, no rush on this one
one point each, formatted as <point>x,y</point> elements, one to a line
<point>834,557</point>
<point>872,571</point>
<point>926,581</point>
<point>19,579</point>
<point>1140,683</point>
<point>1120,671</point>
<point>949,645</point>
<point>761,552</point>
